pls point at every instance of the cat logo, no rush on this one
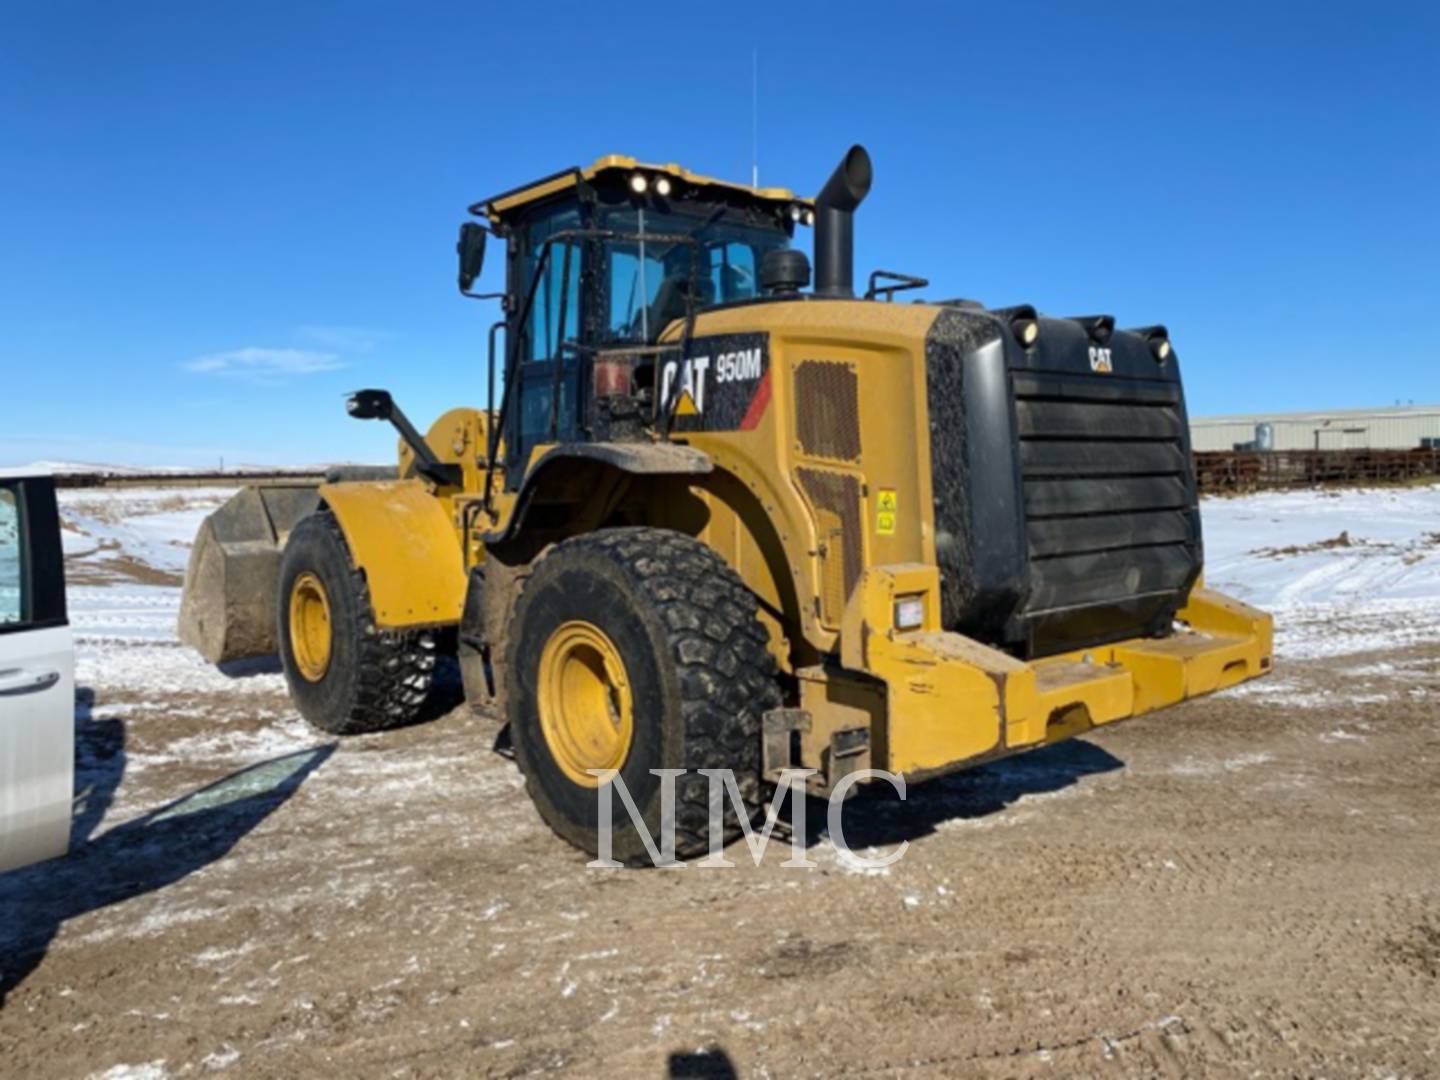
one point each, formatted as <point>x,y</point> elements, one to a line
<point>1100,359</point>
<point>689,379</point>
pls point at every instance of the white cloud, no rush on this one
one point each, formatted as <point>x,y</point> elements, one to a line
<point>345,338</point>
<point>266,366</point>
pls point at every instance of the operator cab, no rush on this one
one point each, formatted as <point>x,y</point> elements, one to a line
<point>600,263</point>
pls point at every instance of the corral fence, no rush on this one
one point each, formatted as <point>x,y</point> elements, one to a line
<point>1220,472</point>
<point>1224,472</point>
<point>213,478</point>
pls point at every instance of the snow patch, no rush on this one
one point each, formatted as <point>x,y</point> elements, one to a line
<point>1377,589</point>
<point>222,1058</point>
<point>152,526</point>
<point>151,1070</point>
<point>1192,767</point>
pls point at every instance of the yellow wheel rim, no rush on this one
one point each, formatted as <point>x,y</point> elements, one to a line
<point>310,627</point>
<point>586,712</point>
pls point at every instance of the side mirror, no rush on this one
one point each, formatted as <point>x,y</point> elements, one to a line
<point>379,405</point>
<point>471,250</point>
<point>370,405</point>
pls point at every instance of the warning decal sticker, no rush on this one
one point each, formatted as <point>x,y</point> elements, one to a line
<point>886,507</point>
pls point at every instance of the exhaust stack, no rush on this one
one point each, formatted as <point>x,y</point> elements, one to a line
<point>835,224</point>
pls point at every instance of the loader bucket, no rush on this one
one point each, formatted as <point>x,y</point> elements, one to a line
<point>228,609</point>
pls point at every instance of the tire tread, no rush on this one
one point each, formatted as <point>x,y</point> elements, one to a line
<point>394,669</point>
<point>720,653</point>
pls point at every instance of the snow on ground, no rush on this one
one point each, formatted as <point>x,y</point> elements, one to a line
<point>125,639</point>
<point>126,550</point>
<point>153,526</point>
<point>1342,571</point>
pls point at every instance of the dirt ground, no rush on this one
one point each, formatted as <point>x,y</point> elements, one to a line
<point>1246,884</point>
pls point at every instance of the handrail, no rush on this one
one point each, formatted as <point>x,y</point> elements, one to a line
<point>900,283</point>
<point>493,438</point>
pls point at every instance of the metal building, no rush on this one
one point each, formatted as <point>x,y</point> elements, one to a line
<point>1404,427</point>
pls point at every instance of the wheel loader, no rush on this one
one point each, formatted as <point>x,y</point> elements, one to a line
<point>717,518</point>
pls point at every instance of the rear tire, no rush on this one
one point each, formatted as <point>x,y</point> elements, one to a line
<point>696,677</point>
<point>364,679</point>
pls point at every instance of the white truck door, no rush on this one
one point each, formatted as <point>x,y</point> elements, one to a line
<point>37,676</point>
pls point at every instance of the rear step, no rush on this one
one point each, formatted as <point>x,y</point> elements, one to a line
<point>1113,682</point>
<point>1106,691</point>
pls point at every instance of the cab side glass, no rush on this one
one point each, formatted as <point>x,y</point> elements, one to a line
<point>732,271</point>
<point>543,333</point>
<point>634,283</point>
<point>12,562</point>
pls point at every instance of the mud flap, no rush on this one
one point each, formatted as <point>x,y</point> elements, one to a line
<point>228,608</point>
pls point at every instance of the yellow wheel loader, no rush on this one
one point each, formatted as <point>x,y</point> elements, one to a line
<point>717,519</point>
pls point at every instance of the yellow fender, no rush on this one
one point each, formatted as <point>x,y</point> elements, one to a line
<point>402,538</point>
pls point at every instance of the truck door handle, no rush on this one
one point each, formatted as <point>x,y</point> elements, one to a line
<point>26,681</point>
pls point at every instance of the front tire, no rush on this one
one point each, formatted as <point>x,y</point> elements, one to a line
<point>637,649</point>
<point>346,676</point>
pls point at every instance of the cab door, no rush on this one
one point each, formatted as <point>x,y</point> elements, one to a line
<point>548,381</point>
<point>37,676</point>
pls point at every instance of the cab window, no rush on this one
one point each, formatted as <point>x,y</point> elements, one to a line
<point>634,281</point>
<point>543,332</point>
<point>733,272</point>
<point>649,274</point>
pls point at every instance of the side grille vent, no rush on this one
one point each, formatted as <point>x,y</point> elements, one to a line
<point>827,409</point>
<point>835,498</point>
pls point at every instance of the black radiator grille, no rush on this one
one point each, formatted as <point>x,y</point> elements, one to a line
<point>1109,502</point>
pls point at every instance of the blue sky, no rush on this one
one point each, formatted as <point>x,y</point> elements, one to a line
<point>219,217</point>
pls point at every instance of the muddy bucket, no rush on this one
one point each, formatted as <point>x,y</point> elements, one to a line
<point>228,610</point>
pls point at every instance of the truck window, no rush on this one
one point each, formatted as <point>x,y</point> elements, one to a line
<point>12,580</point>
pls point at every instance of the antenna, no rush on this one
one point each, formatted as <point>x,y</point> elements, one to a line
<point>755,118</point>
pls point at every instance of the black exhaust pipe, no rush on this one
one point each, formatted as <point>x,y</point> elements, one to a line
<point>835,224</point>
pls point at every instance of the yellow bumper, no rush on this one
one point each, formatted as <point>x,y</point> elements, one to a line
<point>950,700</point>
